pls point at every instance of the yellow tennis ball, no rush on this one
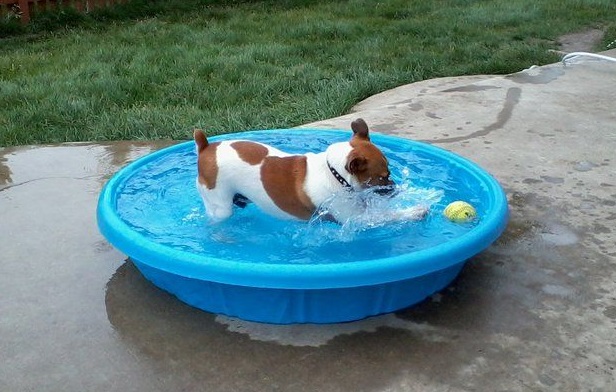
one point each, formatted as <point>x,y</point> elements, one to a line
<point>460,211</point>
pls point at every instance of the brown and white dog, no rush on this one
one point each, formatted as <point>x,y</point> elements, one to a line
<point>285,185</point>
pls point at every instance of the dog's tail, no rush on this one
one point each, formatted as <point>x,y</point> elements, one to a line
<point>200,140</point>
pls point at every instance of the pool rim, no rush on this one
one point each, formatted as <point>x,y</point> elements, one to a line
<point>304,276</point>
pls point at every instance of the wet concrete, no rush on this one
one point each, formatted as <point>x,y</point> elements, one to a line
<point>535,311</point>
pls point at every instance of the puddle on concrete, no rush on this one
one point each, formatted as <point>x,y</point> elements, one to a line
<point>610,312</point>
<point>547,231</point>
<point>558,235</point>
<point>557,290</point>
<point>516,230</point>
<point>584,166</point>
<point>364,355</point>
<point>128,283</point>
<point>471,88</point>
<point>415,106</point>
<point>553,180</point>
<point>69,160</point>
<point>315,335</point>
<point>537,75</point>
<point>512,98</point>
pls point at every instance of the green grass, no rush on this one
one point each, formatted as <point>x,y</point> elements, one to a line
<point>159,69</point>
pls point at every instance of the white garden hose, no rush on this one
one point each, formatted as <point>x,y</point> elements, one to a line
<point>585,54</point>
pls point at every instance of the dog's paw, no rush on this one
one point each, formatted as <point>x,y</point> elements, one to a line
<point>414,213</point>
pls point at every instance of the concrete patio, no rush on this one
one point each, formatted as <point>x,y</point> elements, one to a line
<point>534,312</point>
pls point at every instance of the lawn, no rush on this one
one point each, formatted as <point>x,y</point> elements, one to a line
<point>159,72</point>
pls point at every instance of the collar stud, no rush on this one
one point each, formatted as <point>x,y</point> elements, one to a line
<point>338,177</point>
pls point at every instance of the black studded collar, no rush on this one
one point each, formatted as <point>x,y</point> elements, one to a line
<point>338,177</point>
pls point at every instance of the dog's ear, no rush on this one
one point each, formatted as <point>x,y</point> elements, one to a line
<point>200,139</point>
<point>356,164</point>
<point>360,129</point>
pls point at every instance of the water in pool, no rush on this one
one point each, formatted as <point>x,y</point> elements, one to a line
<point>174,215</point>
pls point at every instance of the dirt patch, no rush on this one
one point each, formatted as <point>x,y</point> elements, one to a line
<point>583,41</point>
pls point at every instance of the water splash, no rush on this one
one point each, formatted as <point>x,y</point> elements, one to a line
<point>368,210</point>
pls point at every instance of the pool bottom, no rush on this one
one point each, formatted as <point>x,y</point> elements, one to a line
<point>290,306</point>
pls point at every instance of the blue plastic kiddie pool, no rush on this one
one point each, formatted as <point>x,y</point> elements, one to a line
<point>260,268</point>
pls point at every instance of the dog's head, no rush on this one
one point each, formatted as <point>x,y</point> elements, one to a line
<point>366,163</point>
